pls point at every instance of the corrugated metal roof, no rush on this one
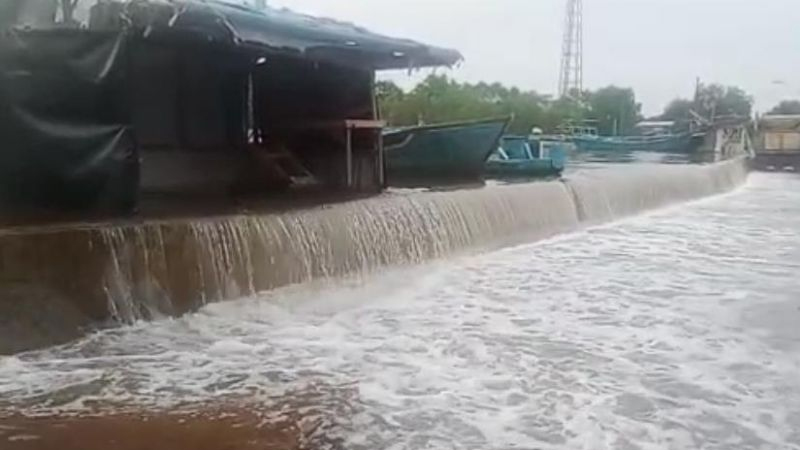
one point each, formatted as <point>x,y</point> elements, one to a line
<point>780,122</point>
<point>656,123</point>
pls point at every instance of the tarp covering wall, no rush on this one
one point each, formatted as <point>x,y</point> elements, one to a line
<point>189,97</point>
<point>64,142</point>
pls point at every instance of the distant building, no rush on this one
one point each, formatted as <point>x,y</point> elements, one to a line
<point>726,136</point>
<point>778,143</point>
<point>655,127</point>
<point>779,133</point>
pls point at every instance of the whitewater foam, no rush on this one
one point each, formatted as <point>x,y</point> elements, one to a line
<point>662,331</point>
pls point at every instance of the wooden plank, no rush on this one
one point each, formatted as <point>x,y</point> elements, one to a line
<point>334,124</point>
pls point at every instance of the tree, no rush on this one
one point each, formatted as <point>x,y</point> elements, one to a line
<point>736,102</point>
<point>712,100</point>
<point>389,96</point>
<point>564,110</point>
<point>388,90</point>
<point>441,99</point>
<point>615,109</point>
<point>789,107</point>
<point>678,109</point>
<point>716,100</point>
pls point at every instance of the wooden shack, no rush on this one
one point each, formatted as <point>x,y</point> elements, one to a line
<point>778,143</point>
<point>103,102</point>
<point>779,134</point>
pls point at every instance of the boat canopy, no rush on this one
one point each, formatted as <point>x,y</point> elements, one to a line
<point>780,122</point>
<point>516,147</point>
<point>270,29</point>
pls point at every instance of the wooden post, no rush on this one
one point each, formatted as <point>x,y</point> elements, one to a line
<point>376,115</point>
<point>349,155</point>
<point>381,164</point>
<point>68,9</point>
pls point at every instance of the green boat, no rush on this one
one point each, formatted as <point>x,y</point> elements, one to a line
<point>651,137</point>
<point>441,154</point>
<point>523,157</point>
<point>665,143</point>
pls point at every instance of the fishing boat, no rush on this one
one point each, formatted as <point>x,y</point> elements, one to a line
<point>650,137</point>
<point>441,154</point>
<point>663,143</point>
<point>524,157</point>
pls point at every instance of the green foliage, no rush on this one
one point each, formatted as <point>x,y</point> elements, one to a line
<point>711,101</point>
<point>440,99</point>
<point>387,90</point>
<point>715,100</point>
<point>678,109</point>
<point>787,107</point>
<point>614,109</point>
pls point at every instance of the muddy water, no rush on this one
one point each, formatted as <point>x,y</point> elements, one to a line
<point>672,330</point>
<point>232,429</point>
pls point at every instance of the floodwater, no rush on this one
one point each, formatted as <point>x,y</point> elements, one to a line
<point>675,330</point>
<point>582,160</point>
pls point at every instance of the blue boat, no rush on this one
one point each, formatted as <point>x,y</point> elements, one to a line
<point>441,154</point>
<point>652,137</point>
<point>678,143</point>
<point>524,157</point>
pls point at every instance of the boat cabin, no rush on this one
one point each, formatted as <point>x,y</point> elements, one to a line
<point>106,102</point>
<point>515,148</point>
<point>655,128</point>
<point>528,148</point>
<point>578,130</point>
<point>727,136</point>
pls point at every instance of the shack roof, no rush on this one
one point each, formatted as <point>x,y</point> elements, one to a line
<point>270,29</point>
<point>655,123</point>
<point>780,122</point>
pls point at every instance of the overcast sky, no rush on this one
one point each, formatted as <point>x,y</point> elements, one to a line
<point>658,47</point>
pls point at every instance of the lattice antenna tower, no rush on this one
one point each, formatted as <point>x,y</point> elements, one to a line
<point>571,76</point>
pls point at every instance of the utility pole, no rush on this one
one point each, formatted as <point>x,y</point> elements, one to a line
<point>571,76</point>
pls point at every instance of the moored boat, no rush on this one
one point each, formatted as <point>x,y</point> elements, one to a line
<point>663,143</point>
<point>523,157</point>
<point>441,154</point>
<point>650,137</point>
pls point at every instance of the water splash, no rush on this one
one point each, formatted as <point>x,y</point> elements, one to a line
<point>136,272</point>
<point>213,260</point>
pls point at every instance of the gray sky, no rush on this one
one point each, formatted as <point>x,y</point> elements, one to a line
<point>657,47</point>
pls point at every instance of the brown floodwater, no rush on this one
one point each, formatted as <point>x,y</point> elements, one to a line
<point>210,430</point>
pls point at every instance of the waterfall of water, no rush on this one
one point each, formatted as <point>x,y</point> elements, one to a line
<point>601,196</point>
<point>141,271</point>
<point>178,266</point>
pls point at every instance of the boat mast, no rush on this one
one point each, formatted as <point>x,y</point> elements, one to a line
<point>571,75</point>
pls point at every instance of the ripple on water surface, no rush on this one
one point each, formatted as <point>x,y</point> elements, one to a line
<point>674,330</point>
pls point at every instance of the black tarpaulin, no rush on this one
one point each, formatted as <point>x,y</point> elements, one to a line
<point>63,139</point>
<point>327,39</point>
<point>270,29</point>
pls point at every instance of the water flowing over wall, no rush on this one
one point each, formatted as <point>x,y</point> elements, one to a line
<point>56,282</point>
